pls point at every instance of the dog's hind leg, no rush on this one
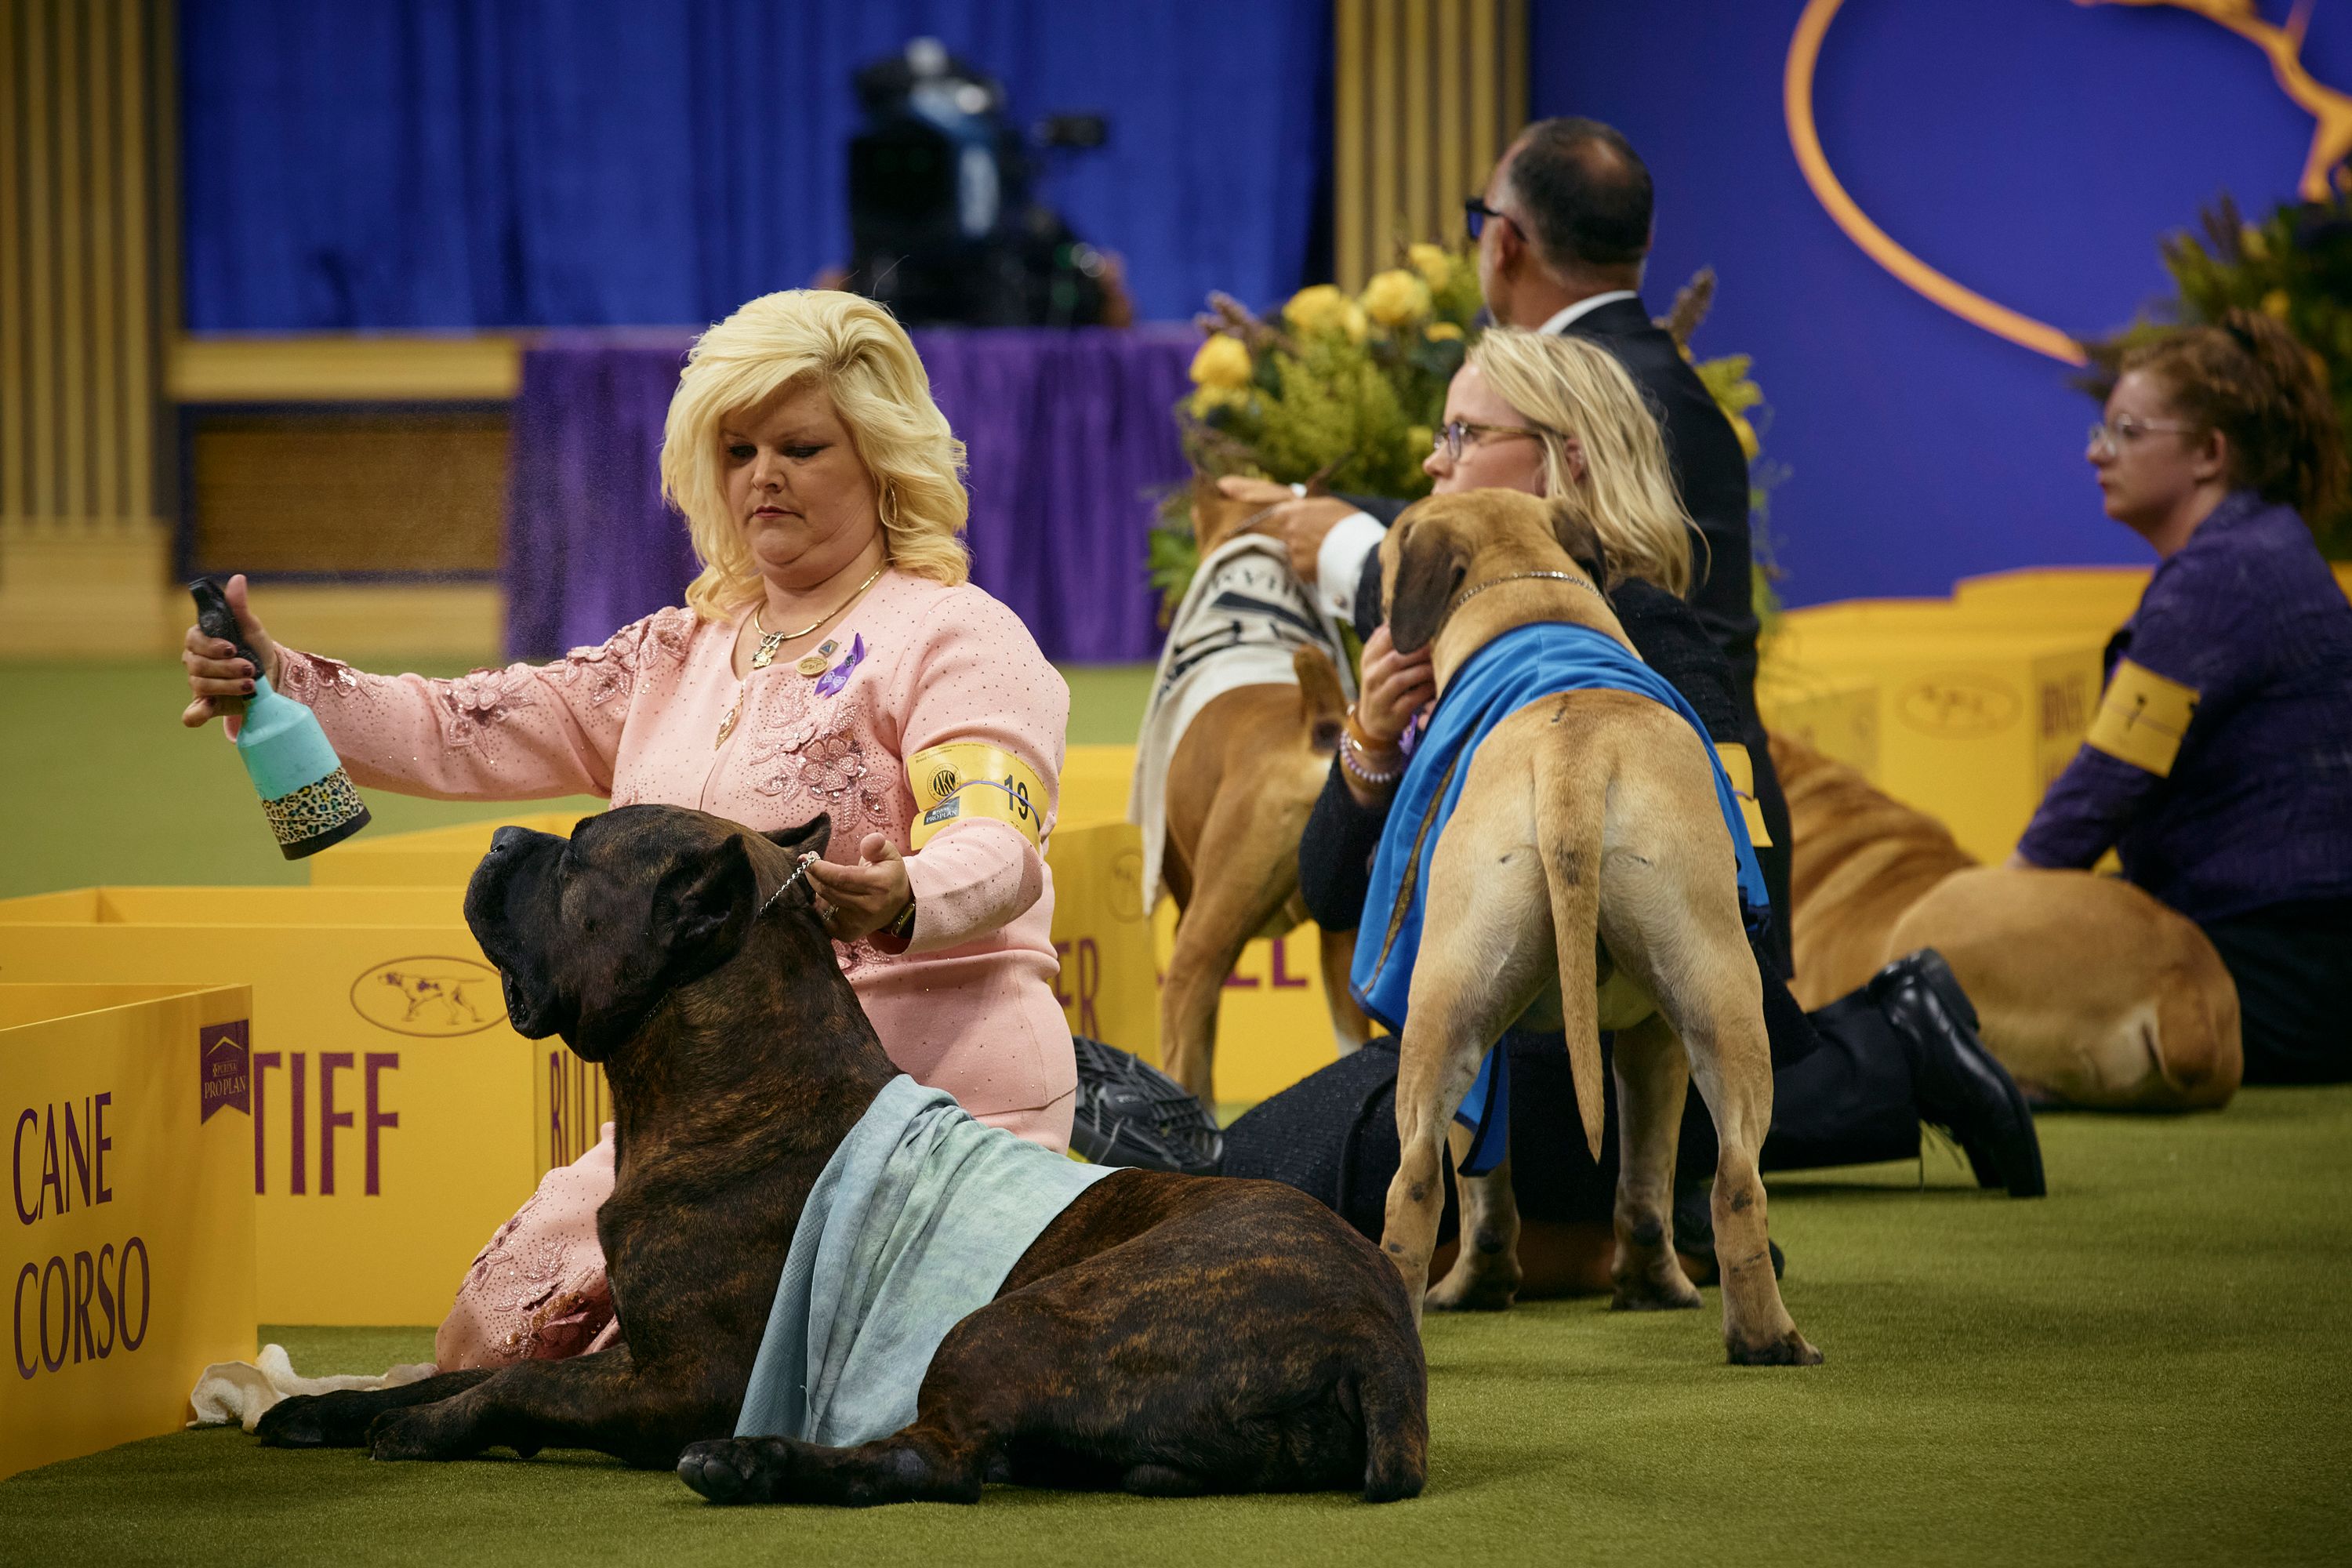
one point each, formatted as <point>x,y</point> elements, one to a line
<point>1670,914</point>
<point>1209,936</point>
<point>1720,1018</point>
<point>1485,1273</point>
<point>1485,956</point>
<point>926,1462</point>
<point>1653,1077</point>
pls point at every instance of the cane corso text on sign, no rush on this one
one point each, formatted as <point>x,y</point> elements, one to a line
<point>127,1250</point>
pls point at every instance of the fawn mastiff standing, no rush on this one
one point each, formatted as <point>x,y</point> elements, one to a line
<point>1586,871</point>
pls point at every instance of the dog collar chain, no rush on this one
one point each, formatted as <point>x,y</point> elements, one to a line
<point>798,872</point>
<point>1466,595</point>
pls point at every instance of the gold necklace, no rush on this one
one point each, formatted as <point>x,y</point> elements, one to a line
<point>771,641</point>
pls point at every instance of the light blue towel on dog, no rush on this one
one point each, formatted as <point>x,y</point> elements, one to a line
<point>912,1226</point>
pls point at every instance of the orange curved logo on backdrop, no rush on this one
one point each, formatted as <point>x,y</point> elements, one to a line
<point>2331,143</point>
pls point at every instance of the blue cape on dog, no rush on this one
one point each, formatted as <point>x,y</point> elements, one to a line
<point>1522,666</point>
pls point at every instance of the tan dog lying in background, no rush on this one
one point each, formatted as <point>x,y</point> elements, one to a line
<point>1240,787</point>
<point>1585,876</point>
<point>2089,991</point>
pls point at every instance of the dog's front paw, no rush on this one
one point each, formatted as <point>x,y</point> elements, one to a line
<point>1468,1289</point>
<point>420,1433</point>
<point>729,1470</point>
<point>1790,1349</point>
<point>316,1421</point>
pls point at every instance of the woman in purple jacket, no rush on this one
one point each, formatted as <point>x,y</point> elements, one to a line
<point>2220,765</point>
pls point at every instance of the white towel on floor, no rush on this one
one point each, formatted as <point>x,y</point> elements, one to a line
<point>1240,621</point>
<point>241,1390</point>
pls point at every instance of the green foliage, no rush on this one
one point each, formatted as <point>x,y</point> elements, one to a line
<point>2297,266</point>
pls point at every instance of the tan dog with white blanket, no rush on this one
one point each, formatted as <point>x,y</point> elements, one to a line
<point>1238,792</point>
<point>2090,991</point>
<point>1586,876</point>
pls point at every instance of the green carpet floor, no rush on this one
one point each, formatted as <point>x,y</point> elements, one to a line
<point>2146,1367</point>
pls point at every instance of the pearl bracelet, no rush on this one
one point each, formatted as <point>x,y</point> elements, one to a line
<point>1350,750</point>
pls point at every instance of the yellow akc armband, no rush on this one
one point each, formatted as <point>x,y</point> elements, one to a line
<point>965,779</point>
<point>2142,718</point>
<point>1742,769</point>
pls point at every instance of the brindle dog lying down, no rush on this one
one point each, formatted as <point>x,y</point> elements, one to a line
<point>1164,1334</point>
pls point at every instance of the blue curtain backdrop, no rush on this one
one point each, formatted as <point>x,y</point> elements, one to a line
<point>2032,150</point>
<point>470,164</point>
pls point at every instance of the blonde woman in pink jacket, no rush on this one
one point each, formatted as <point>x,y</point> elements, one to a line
<point>831,656</point>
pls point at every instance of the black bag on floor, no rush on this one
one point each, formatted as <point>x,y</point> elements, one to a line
<point>1130,1113</point>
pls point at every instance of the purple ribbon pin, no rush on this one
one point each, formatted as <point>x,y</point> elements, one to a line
<point>833,680</point>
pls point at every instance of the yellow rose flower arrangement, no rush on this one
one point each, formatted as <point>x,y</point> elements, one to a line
<point>1222,363</point>
<point>1323,308</point>
<point>1433,262</point>
<point>1315,308</point>
<point>1396,298</point>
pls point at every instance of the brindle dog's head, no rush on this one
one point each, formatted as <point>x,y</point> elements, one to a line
<point>593,932</point>
<point>1447,546</point>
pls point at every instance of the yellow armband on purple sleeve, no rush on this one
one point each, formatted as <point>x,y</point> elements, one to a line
<point>2142,717</point>
<point>1742,769</point>
<point>965,779</point>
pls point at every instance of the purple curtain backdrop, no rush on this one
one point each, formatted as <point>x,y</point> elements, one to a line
<point>1070,437</point>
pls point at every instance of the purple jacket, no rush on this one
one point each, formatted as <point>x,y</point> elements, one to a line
<point>2220,765</point>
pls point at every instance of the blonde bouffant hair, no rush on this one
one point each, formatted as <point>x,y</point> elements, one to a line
<point>1567,386</point>
<point>862,357</point>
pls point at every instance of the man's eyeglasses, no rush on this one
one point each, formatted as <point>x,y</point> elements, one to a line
<point>1475,214</point>
<point>1451,437</point>
<point>2124,430</point>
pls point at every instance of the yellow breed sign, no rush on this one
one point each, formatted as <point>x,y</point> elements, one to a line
<point>129,1259</point>
<point>392,1110</point>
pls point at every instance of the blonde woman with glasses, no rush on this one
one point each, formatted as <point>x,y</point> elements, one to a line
<point>1558,416</point>
<point>831,656</point>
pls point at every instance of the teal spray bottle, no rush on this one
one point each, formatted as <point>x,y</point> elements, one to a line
<point>309,798</point>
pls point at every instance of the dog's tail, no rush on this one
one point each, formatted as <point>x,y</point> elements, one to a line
<point>1323,706</point>
<point>1569,839</point>
<point>1393,1396</point>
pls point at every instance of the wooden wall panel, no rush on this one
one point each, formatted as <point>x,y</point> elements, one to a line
<point>1426,95</point>
<point>82,251</point>
<point>364,492</point>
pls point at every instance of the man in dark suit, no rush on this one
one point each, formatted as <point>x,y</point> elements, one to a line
<point>1563,230</point>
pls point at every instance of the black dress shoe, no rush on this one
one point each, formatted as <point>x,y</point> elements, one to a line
<point>1960,1088</point>
<point>1695,1228</point>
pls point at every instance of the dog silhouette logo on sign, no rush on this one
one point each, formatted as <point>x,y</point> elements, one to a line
<point>431,996</point>
<point>1959,703</point>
